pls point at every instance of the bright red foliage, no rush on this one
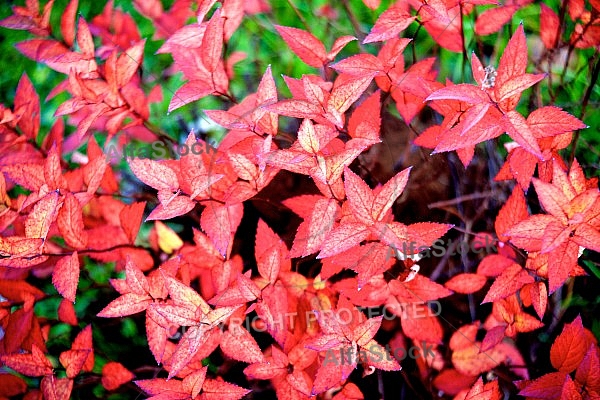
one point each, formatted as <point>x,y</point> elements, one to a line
<point>62,210</point>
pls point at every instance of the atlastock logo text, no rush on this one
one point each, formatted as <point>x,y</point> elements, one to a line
<point>375,353</point>
<point>441,247</point>
<point>158,150</point>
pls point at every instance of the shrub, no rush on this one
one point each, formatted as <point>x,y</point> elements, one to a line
<point>410,210</point>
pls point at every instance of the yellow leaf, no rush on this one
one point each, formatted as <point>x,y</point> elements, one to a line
<point>168,241</point>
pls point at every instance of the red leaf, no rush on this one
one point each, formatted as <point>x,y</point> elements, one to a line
<point>67,22</point>
<point>114,374</point>
<point>588,371</point>
<point>418,323</point>
<point>27,105</point>
<point>212,42</point>
<point>295,108</point>
<point>243,167</point>
<point>389,193</point>
<point>239,292</point>
<point>305,45</point>
<point>553,200</point>
<point>127,304</point>
<point>268,252</point>
<point>493,337</point>
<point>131,219</point>
<point>193,382</point>
<point>179,205</point>
<point>11,385</point>
<point>220,224</point>
<point>53,170</point>
<point>214,389</point>
<point>569,348</point>
<point>313,231</point>
<point>451,381</point>
<point>528,234</point>
<point>512,279</point>
<point>425,233</point>
<point>272,309</point>
<point>521,166</point>
<point>389,24</point>
<point>41,217</point>
<point>274,366</point>
<point>350,391</point>
<point>31,364</point>
<point>83,341</point>
<point>66,312</point>
<point>163,387</point>
<point>85,40</point>
<point>546,386</point>
<point>551,121</point>
<point>418,290</point>
<point>513,61</point>
<point>443,23</point>
<point>463,92</point>
<point>512,212</point>
<point>346,90</point>
<point>570,391</point>
<point>517,128</point>
<point>379,357</point>
<point>360,198</point>
<point>135,278</point>
<point>19,22</point>
<point>342,238</point>
<point>515,85</point>
<point>561,262</point>
<point>189,92</point>
<point>155,174</point>
<point>466,283</point>
<point>549,27</point>
<point>41,49</point>
<point>365,121</point>
<point>539,298</point>
<point>338,45</point>
<point>73,361</point>
<point>188,346</point>
<point>93,173</point>
<point>66,276</point>
<point>238,344</point>
<point>128,62</point>
<point>360,64</point>
<point>54,388</point>
<point>183,295</point>
<point>70,223</point>
<point>373,5</point>
<point>492,20</point>
<point>30,176</point>
<point>471,361</point>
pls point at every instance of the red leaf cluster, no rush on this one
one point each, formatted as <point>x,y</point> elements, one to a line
<point>65,207</point>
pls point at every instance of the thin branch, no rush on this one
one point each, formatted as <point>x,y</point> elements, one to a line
<point>585,102</point>
<point>300,17</point>
<point>355,24</point>
<point>467,197</point>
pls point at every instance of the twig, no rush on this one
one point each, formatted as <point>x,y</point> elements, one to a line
<point>355,24</point>
<point>465,58</point>
<point>466,197</point>
<point>300,17</point>
<point>584,104</point>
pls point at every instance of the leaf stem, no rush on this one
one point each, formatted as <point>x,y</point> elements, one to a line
<point>355,24</point>
<point>465,57</point>
<point>300,17</point>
